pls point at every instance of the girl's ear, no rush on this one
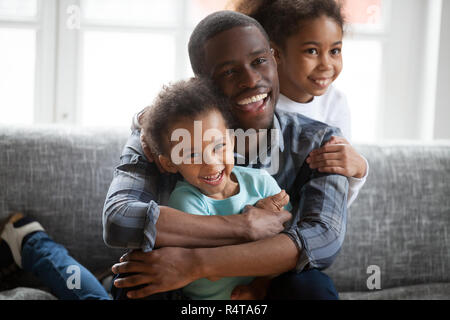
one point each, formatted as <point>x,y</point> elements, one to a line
<point>275,52</point>
<point>166,164</point>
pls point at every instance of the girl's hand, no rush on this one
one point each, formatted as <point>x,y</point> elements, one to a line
<point>339,157</point>
<point>275,202</point>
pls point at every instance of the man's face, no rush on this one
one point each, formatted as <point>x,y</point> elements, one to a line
<point>241,63</point>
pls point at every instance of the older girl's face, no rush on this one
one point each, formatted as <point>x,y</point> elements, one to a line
<point>311,59</point>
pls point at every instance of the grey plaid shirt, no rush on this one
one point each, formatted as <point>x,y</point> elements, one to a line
<point>319,200</point>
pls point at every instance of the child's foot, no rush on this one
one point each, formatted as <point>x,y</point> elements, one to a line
<point>13,231</point>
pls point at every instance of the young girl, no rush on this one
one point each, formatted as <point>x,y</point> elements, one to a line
<point>306,36</point>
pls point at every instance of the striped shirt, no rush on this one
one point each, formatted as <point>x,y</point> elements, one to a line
<point>319,200</point>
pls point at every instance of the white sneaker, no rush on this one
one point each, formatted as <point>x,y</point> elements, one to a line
<point>16,227</point>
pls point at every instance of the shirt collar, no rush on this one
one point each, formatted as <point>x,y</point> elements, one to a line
<point>276,144</point>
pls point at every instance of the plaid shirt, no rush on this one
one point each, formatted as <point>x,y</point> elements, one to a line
<point>319,200</point>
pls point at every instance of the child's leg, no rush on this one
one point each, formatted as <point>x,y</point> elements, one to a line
<point>24,242</point>
<point>52,264</point>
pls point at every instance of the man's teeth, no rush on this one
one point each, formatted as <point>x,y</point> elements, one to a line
<point>253,99</point>
<point>213,177</point>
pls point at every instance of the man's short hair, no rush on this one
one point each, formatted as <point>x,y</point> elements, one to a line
<point>283,18</point>
<point>185,99</point>
<point>209,27</point>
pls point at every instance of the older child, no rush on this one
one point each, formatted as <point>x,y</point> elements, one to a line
<point>194,111</point>
<point>306,36</point>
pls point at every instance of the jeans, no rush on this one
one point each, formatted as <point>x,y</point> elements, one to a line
<point>307,285</point>
<point>56,269</point>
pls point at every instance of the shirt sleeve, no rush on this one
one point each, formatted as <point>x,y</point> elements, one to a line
<point>130,211</point>
<point>355,184</point>
<point>319,218</point>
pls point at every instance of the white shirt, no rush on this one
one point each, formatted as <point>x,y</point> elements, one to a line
<point>332,109</point>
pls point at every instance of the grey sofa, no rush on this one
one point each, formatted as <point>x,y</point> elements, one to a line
<point>399,223</point>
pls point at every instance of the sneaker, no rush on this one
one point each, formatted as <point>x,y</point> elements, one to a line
<point>14,229</point>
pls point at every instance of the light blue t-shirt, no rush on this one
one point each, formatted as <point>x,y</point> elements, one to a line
<point>254,185</point>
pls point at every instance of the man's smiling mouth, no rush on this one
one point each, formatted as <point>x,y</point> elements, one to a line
<point>254,103</point>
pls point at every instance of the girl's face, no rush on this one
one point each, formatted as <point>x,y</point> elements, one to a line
<point>311,59</point>
<point>204,155</point>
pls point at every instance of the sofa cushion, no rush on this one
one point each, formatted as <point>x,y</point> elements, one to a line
<point>400,221</point>
<point>433,291</point>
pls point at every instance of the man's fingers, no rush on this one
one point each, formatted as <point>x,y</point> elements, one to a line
<point>145,148</point>
<point>132,281</point>
<point>284,216</point>
<point>135,255</point>
<point>126,267</point>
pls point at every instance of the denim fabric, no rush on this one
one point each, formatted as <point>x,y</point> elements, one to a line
<point>310,284</point>
<point>52,264</point>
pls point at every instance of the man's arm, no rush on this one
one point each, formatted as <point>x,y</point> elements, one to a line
<point>171,268</point>
<point>133,219</point>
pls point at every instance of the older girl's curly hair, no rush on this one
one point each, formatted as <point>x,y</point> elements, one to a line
<point>283,18</point>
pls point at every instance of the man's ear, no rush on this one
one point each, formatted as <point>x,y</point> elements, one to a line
<point>166,164</point>
<point>275,52</point>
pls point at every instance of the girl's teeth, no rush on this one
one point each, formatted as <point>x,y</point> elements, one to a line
<point>253,99</point>
<point>215,177</point>
<point>322,82</point>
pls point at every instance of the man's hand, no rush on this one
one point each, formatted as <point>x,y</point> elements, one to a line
<point>261,223</point>
<point>339,157</point>
<point>274,203</point>
<point>151,157</point>
<point>161,270</point>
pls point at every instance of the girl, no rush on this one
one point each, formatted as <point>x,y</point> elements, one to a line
<point>306,37</point>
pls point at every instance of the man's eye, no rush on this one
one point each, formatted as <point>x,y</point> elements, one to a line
<point>228,72</point>
<point>259,61</point>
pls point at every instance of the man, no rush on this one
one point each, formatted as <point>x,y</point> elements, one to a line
<point>234,51</point>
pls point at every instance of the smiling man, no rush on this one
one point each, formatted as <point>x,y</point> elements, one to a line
<point>233,50</point>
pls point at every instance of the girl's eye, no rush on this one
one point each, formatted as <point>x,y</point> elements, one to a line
<point>219,146</point>
<point>312,51</point>
<point>194,155</point>
<point>336,51</point>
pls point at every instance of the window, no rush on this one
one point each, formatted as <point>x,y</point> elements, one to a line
<point>97,62</point>
<point>19,21</point>
<point>363,55</point>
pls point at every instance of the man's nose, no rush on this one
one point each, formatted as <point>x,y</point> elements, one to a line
<point>249,78</point>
